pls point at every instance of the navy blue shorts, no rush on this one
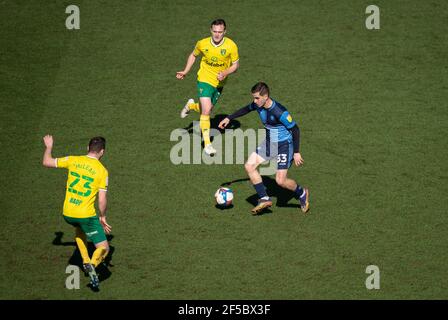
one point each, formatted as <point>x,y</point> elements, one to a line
<point>283,151</point>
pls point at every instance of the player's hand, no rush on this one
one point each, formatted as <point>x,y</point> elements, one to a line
<point>48,141</point>
<point>106,227</point>
<point>298,160</point>
<point>221,76</point>
<point>224,123</point>
<point>181,75</point>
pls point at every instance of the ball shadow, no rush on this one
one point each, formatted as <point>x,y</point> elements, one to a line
<point>222,208</point>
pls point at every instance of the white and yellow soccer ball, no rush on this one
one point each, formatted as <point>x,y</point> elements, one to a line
<point>224,197</point>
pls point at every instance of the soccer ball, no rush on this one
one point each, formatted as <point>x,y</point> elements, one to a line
<point>224,197</point>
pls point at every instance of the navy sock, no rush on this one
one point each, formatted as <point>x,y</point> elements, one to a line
<point>298,192</point>
<point>261,190</point>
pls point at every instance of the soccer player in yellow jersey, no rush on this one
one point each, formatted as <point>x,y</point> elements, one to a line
<point>219,60</point>
<point>87,178</point>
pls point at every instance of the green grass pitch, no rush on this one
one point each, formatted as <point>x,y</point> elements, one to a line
<point>372,108</point>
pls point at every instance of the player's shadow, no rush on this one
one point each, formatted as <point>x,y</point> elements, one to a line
<point>76,259</point>
<point>214,122</point>
<point>282,195</point>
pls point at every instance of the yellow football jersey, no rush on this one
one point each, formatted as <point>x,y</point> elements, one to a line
<point>215,58</point>
<point>86,175</point>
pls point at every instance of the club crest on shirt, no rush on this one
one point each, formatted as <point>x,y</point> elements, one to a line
<point>223,52</point>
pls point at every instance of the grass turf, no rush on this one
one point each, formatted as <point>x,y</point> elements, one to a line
<point>371,106</point>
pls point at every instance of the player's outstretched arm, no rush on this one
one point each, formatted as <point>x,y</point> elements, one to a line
<point>190,61</point>
<point>48,161</point>
<point>239,113</point>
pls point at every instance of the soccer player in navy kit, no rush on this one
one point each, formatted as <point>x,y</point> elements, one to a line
<point>282,141</point>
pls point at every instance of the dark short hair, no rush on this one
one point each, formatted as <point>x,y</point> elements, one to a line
<point>97,144</point>
<point>262,88</point>
<point>218,22</point>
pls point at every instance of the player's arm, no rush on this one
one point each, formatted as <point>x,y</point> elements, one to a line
<point>223,74</point>
<point>190,61</point>
<point>48,160</point>
<point>102,206</point>
<point>292,126</point>
<point>295,131</point>
<point>239,113</point>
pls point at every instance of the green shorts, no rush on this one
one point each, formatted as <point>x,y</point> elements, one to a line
<point>90,226</point>
<point>207,90</point>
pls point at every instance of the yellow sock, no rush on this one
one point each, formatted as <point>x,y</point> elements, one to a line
<point>99,255</point>
<point>204,124</point>
<point>81,242</point>
<point>194,106</point>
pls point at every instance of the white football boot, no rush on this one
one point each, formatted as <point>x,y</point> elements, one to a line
<point>186,109</point>
<point>209,150</point>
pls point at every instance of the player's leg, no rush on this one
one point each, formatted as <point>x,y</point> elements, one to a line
<point>216,94</point>
<point>284,161</point>
<point>281,177</point>
<point>300,193</point>
<point>203,90</point>
<point>99,239</point>
<point>81,242</point>
<point>206,109</point>
<point>208,97</point>
<point>94,230</point>
<point>204,124</point>
<point>101,251</point>
<point>190,105</point>
<point>251,165</point>
<point>80,237</point>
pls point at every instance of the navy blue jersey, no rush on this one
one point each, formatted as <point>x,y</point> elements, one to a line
<point>277,121</point>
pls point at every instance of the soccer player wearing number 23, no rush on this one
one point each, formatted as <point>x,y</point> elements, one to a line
<point>282,142</point>
<point>87,178</point>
